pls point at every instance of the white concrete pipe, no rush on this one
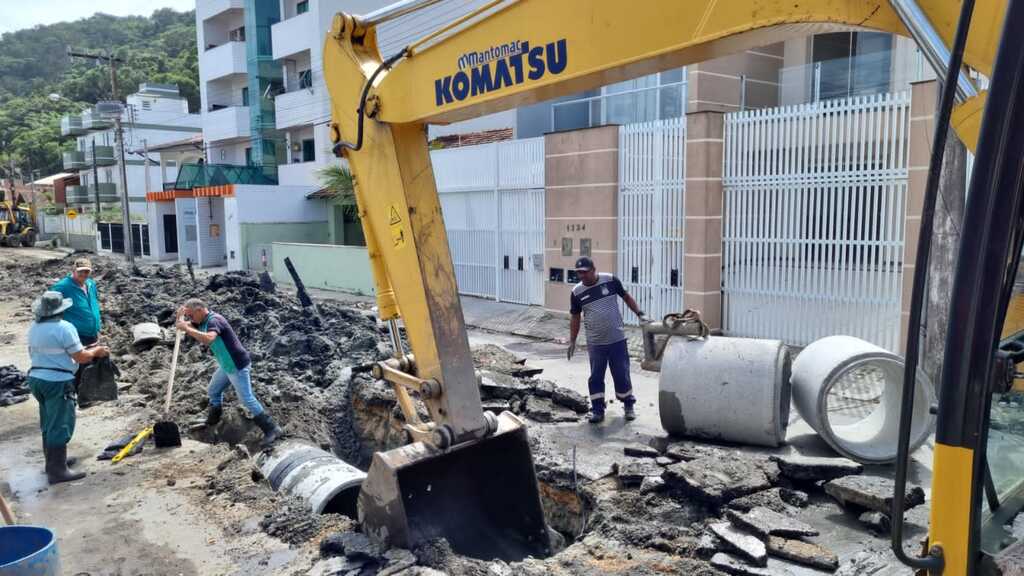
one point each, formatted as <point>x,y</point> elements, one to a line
<point>727,389</point>
<point>328,484</point>
<point>849,391</point>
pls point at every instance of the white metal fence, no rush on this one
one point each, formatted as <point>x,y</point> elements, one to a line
<point>492,197</point>
<point>813,222</point>
<point>652,176</point>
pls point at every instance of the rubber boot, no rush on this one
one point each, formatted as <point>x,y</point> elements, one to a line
<point>213,414</point>
<point>629,412</point>
<point>71,459</point>
<point>57,470</point>
<point>271,431</point>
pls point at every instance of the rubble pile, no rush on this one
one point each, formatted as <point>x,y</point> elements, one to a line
<point>12,386</point>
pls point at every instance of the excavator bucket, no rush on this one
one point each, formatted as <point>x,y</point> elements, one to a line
<point>480,496</point>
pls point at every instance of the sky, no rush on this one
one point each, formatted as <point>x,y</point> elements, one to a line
<point>18,14</point>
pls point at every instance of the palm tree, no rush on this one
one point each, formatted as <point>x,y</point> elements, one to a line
<point>338,180</point>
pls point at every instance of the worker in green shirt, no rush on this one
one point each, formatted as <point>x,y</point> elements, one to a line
<point>84,313</point>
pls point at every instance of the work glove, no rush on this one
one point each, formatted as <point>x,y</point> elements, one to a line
<point>642,316</point>
<point>570,351</point>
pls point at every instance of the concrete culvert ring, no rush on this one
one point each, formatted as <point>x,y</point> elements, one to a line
<point>328,484</point>
<point>849,391</point>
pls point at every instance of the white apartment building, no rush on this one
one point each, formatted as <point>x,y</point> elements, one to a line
<point>153,115</point>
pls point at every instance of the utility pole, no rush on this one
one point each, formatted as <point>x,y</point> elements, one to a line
<point>126,217</point>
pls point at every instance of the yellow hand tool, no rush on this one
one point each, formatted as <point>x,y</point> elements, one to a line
<point>140,437</point>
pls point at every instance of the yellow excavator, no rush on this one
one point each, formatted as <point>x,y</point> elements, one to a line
<point>468,475</point>
<point>16,228</point>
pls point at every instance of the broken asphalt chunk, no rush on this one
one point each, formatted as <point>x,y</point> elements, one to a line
<point>801,552</point>
<point>717,480</point>
<point>871,493</point>
<point>633,472</point>
<point>764,522</point>
<point>748,547</point>
<point>876,521</point>
<point>503,386</point>
<point>732,565</point>
<point>570,399</point>
<point>651,484</point>
<point>640,451</point>
<point>686,451</point>
<point>808,468</point>
<point>781,500</point>
<point>544,410</point>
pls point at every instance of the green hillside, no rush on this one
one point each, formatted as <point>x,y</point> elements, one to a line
<point>33,64</point>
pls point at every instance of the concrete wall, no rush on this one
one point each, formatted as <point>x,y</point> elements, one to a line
<point>325,266</point>
<point>581,180</point>
<point>185,208</point>
<point>278,204</point>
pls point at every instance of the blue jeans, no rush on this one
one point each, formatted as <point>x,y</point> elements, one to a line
<point>616,357</point>
<point>243,388</point>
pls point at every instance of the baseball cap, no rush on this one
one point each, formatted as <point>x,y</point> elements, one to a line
<point>584,263</point>
<point>82,264</point>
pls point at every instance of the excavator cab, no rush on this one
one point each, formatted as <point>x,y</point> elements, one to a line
<point>480,496</point>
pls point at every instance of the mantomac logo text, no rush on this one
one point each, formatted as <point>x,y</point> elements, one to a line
<point>499,67</point>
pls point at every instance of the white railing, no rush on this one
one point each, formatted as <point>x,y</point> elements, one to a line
<point>492,197</point>
<point>813,220</point>
<point>652,173</point>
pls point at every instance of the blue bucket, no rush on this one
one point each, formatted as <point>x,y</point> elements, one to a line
<point>28,551</point>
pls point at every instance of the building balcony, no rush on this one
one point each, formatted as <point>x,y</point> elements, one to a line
<point>91,120</point>
<point>79,195</point>
<point>302,107</point>
<point>224,60</point>
<point>206,9</point>
<point>71,125</point>
<point>294,35</point>
<point>197,175</point>
<point>104,155</point>
<point>74,161</point>
<point>299,174</point>
<point>226,123</point>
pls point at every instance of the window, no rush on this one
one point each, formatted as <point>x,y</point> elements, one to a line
<point>237,35</point>
<point>305,79</point>
<point>245,96</point>
<point>302,7</point>
<point>851,64</point>
<point>248,156</point>
<point>308,151</point>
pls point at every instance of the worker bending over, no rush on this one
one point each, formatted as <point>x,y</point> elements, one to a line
<point>56,352</point>
<point>208,327</point>
<point>596,296</point>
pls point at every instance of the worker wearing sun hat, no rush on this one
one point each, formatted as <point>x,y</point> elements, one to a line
<point>56,352</point>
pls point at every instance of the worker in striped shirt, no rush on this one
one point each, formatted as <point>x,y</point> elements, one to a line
<point>596,298</point>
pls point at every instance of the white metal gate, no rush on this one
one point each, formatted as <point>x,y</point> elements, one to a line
<point>813,222</point>
<point>492,197</point>
<point>652,176</point>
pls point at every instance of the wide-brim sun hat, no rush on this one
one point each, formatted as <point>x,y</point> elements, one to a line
<point>50,304</point>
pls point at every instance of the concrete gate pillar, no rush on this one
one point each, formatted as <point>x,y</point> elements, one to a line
<point>922,128</point>
<point>702,267</point>
<point>581,206</point>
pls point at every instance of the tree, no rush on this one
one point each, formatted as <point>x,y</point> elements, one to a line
<point>34,64</point>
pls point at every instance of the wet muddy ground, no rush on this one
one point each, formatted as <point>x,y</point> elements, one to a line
<point>624,499</point>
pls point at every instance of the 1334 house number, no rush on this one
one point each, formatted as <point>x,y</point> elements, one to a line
<point>575,227</point>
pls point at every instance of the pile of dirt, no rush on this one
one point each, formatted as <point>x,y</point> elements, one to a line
<point>13,389</point>
<point>300,355</point>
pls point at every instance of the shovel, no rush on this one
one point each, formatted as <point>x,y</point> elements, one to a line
<point>166,433</point>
